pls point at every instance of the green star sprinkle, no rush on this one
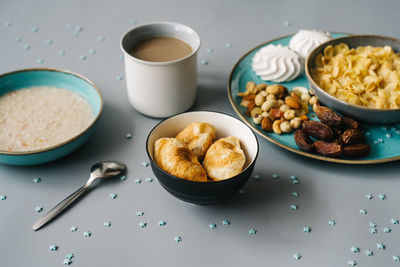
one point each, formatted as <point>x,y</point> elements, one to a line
<point>107,224</point>
<point>387,230</point>
<point>139,213</point>
<point>69,256</point>
<point>295,194</point>
<point>3,197</point>
<point>123,178</point>
<point>396,258</point>
<point>382,196</point>
<point>138,181</point>
<point>128,136</point>
<point>369,196</point>
<point>369,253</point>
<point>332,223</point>
<point>53,247</point>
<point>294,207</point>
<point>226,222</point>
<point>352,262</point>
<point>394,221</point>
<point>87,234</point>
<point>177,239</point>
<point>380,246</point>
<point>307,229</point>
<point>38,209</point>
<point>113,195</point>
<point>162,223</point>
<point>363,211</point>
<point>37,180</point>
<point>67,262</point>
<point>275,176</point>
<point>142,224</point>
<point>373,230</point>
<point>297,256</point>
<point>73,228</point>
<point>252,231</point>
<point>213,225</point>
<point>355,249</point>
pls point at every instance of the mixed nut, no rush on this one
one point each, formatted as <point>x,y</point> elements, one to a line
<point>335,135</point>
<point>276,110</point>
<point>272,107</point>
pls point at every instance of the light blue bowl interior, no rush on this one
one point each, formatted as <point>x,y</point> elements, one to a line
<point>54,78</point>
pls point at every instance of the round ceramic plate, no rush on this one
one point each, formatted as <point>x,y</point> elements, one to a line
<point>383,138</point>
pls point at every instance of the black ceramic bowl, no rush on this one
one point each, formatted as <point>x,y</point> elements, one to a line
<point>204,193</point>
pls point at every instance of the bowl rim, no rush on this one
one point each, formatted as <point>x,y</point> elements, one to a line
<point>196,182</point>
<point>80,76</point>
<point>331,97</point>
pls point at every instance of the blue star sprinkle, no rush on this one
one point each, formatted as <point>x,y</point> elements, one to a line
<point>3,197</point>
<point>380,246</point>
<point>138,181</point>
<point>113,195</point>
<point>101,38</point>
<point>373,230</point>
<point>119,78</point>
<point>332,223</point>
<point>252,231</point>
<point>387,230</point>
<point>37,180</point>
<point>295,181</point>
<point>107,224</point>
<point>396,258</point>
<point>369,196</point>
<point>53,247</point>
<point>128,136</point>
<point>142,224</point>
<point>226,222</point>
<point>69,256</point>
<point>149,179</point>
<point>363,211</point>
<point>61,53</point>
<point>256,177</point>
<point>18,39</point>
<point>27,47</point>
<point>355,249</point>
<point>40,61</point>
<point>297,256</point>
<point>352,262</point>
<point>87,234</point>
<point>382,196</point>
<point>38,209</point>
<point>123,178</point>
<point>295,194</point>
<point>213,225</point>
<point>368,252</point>
<point>92,51</point>
<point>82,57</point>
<point>49,42</point>
<point>7,24</point>
<point>177,239</point>
<point>73,228</point>
<point>394,221</point>
<point>204,62</point>
<point>372,224</point>
<point>275,176</point>
<point>133,21</point>
<point>35,29</point>
<point>210,50</point>
<point>79,28</point>
<point>140,213</point>
<point>294,207</point>
<point>67,262</point>
<point>307,229</point>
<point>228,45</point>
<point>145,164</point>
<point>162,223</point>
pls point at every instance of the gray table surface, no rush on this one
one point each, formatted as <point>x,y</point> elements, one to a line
<point>327,191</point>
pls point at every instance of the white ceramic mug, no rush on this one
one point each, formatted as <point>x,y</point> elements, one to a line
<point>161,89</point>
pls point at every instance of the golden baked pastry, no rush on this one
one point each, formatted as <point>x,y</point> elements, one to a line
<point>198,136</point>
<point>174,157</point>
<point>224,159</point>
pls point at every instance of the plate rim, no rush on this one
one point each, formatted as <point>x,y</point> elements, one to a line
<point>266,137</point>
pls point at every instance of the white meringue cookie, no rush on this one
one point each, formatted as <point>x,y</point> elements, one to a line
<point>277,63</point>
<point>305,41</point>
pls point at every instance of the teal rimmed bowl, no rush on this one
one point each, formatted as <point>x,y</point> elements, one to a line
<point>77,83</point>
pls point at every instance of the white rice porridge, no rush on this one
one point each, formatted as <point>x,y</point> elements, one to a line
<point>40,117</point>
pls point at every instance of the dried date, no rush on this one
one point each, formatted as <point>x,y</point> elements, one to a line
<point>357,150</point>
<point>350,123</point>
<point>328,116</point>
<point>303,141</point>
<point>328,149</point>
<point>352,136</point>
<point>318,130</point>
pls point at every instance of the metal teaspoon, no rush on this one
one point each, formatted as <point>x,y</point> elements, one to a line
<point>105,169</point>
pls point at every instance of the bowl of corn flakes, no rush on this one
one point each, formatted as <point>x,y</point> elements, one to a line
<point>358,75</point>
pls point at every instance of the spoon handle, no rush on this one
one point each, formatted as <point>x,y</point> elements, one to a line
<point>60,207</point>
